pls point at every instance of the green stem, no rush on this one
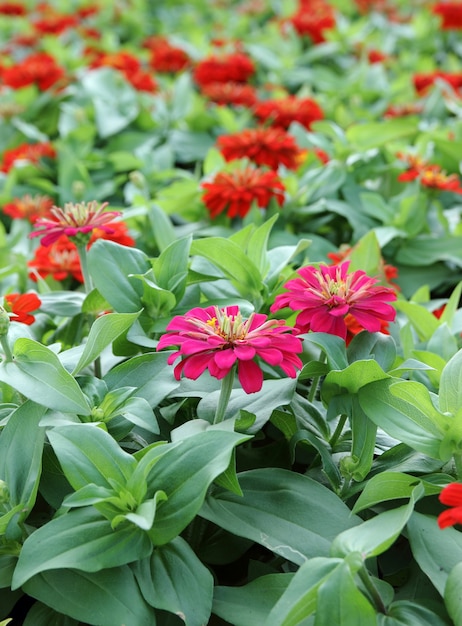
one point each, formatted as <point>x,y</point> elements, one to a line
<point>458,465</point>
<point>338,430</point>
<point>82,250</point>
<point>225,394</point>
<point>372,590</point>
<point>6,348</point>
<point>315,382</point>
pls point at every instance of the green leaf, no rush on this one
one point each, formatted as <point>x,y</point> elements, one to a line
<point>162,228</point>
<point>109,259</point>
<point>250,604</point>
<point>373,134</point>
<point>406,613</point>
<point>450,393</point>
<point>41,615</point>
<point>88,454</point>
<point>174,579</point>
<point>185,472</point>
<point>351,379</point>
<point>385,486</point>
<point>329,466</point>
<point>103,332</point>
<point>290,514</point>
<point>80,539</point>
<point>233,262</point>
<point>300,598</point>
<point>334,348</point>
<point>104,598</point>
<point>453,594</point>
<point>405,417</point>
<point>436,551</point>
<point>258,244</point>
<point>37,373</point>
<point>424,322</point>
<point>171,267</point>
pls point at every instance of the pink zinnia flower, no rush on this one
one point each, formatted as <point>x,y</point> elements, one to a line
<point>451,495</point>
<point>216,339</point>
<point>325,296</point>
<point>74,219</point>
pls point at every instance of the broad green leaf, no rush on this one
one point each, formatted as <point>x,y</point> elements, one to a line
<point>452,305</point>
<point>138,411</point>
<point>103,332</point>
<point>233,262</point>
<point>329,466</point>
<point>162,227</point>
<point>185,472</point>
<point>401,418</point>
<point>452,594</point>
<point>406,613</point>
<point>289,514</point>
<point>171,267</point>
<point>340,601</point>
<point>258,244</point>
<point>380,347</point>
<point>110,266</point>
<point>174,579</point>
<point>7,566</point>
<point>158,302</point>
<point>363,441</point>
<point>80,539</point>
<point>351,379</point>
<point>424,322</point>
<point>301,596</point>
<point>88,454</point>
<point>37,373</point>
<point>372,134</point>
<point>377,534</point>
<point>250,604</point>
<point>41,615</point>
<point>21,446</point>
<point>104,598</point>
<point>334,348</point>
<point>450,393</point>
<point>427,250</point>
<point>436,551</point>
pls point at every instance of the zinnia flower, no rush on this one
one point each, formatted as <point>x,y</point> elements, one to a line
<point>31,152</point>
<point>313,20</point>
<point>237,94</point>
<point>74,219</point>
<point>12,8</point>
<point>282,112</point>
<point>264,146</point>
<point>129,66</point>
<point>164,56</point>
<point>39,68</point>
<point>429,174</point>
<point>216,339</point>
<point>60,260</point>
<point>234,192</point>
<point>20,306</point>
<point>29,207</point>
<point>450,14</point>
<point>236,67</point>
<point>326,295</point>
<point>423,81</point>
<point>451,495</point>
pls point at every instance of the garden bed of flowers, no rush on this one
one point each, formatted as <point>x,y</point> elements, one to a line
<point>230,332</point>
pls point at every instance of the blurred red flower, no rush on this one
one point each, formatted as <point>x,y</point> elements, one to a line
<point>282,112</point>
<point>39,68</point>
<point>235,67</point>
<point>129,66</point>
<point>429,174</point>
<point>20,306</point>
<point>425,80</point>
<point>31,152</point>
<point>12,8</point>
<point>451,495</point>
<point>164,56</point>
<point>450,14</point>
<point>29,207</point>
<point>237,94</point>
<point>313,19</point>
<point>234,193</point>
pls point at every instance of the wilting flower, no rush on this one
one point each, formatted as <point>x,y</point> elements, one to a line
<point>283,111</point>
<point>264,146</point>
<point>74,219</point>
<point>29,207</point>
<point>451,495</point>
<point>450,14</point>
<point>234,192</point>
<point>326,295</point>
<point>31,152</point>
<point>313,19</point>
<point>216,339</point>
<point>236,67</point>
<point>237,94</point>
<point>20,306</point>
<point>39,68</point>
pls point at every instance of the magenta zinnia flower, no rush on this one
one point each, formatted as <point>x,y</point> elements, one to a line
<point>215,339</point>
<point>74,219</point>
<point>326,295</point>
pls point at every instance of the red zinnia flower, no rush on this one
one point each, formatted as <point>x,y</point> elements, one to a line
<point>234,192</point>
<point>216,339</point>
<point>451,495</point>
<point>450,14</point>
<point>282,112</point>
<point>12,8</point>
<point>236,67</point>
<point>313,20</point>
<point>164,56</point>
<point>325,296</point>
<point>74,220</point>
<point>238,94</point>
<point>129,66</point>
<point>39,68</point>
<point>60,259</point>
<point>26,152</point>
<point>19,306</point>
<point>423,81</point>
<point>29,207</point>
<point>119,234</point>
<point>264,146</point>
<point>429,174</point>
<point>55,24</point>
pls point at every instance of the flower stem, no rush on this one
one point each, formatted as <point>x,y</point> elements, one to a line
<point>82,250</point>
<point>338,430</point>
<point>225,394</point>
<point>372,590</point>
<point>6,348</point>
<point>315,382</point>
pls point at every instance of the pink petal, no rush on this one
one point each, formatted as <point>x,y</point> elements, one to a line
<point>250,376</point>
<point>225,358</point>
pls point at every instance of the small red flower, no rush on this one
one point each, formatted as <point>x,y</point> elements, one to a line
<point>326,295</point>
<point>236,67</point>
<point>429,174</point>
<point>237,94</point>
<point>29,207</point>
<point>12,8</point>
<point>216,339</point>
<point>129,66</point>
<point>31,152</point>
<point>234,192</point>
<point>424,81</point>
<point>264,146</point>
<point>119,234</point>
<point>282,112</point>
<point>164,56</point>
<point>313,19</point>
<point>450,14</point>
<point>60,260</point>
<point>451,495</point>
<point>20,306</point>
<point>39,68</point>
<point>55,24</point>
